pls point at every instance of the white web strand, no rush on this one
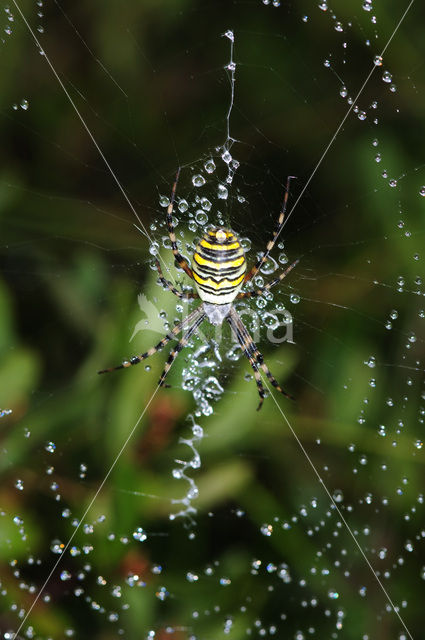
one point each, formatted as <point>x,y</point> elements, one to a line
<point>83,122</point>
<point>143,229</point>
<point>321,481</point>
<point>229,141</point>
<point>205,389</point>
<point>180,474</point>
<point>99,62</point>
<point>226,156</point>
<point>83,517</point>
<point>232,68</point>
<point>338,510</point>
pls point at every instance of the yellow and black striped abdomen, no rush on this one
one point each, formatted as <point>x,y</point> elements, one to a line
<point>218,266</point>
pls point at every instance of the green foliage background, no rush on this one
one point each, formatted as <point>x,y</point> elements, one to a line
<point>72,265</point>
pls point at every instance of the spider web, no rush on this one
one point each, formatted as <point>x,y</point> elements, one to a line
<point>260,550</point>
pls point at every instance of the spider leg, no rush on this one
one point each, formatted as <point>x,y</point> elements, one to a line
<point>250,348</point>
<point>247,345</point>
<point>271,377</point>
<point>267,287</point>
<point>178,257</point>
<point>255,269</point>
<point>179,346</point>
<point>192,317</point>
<point>189,295</point>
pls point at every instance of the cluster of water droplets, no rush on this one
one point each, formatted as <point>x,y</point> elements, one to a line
<point>8,28</point>
<point>337,60</point>
<point>188,510</point>
<point>76,573</point>
<point>205,207</point>
<point>10,19</point>
<point>396,436</point>
<point>77,576</point>
<point>204,204</point>
<point>273,3</point>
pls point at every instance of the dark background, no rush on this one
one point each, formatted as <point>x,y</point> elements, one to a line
<point>149,80</point>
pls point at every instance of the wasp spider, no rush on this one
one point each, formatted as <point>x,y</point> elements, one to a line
<point>219,271</point>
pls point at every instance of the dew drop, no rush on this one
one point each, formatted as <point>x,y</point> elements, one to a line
<point>245,243</point>
<point>271,321</point>
<point>197,431</point>
<point>269,266</point>
<point>191,577</point>
<point>83,470</point>
<point>222,192</point>
<point>409,546</point>
<point>65,575</point>
<point>183,206</point>
<point>139,535</point>
<point>201,217</point>
<point>267,530</point>
<point>198,180</point>
<point>370,362</point>
<point>226,157</point>
<point>206,204</point>
<point>209,166</point>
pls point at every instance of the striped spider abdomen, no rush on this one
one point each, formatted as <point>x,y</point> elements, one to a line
<point>219,266</point>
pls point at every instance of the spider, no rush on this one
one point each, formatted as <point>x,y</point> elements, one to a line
<point>219,271</point>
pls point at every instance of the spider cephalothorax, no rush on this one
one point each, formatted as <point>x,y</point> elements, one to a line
<point>219,272</point>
